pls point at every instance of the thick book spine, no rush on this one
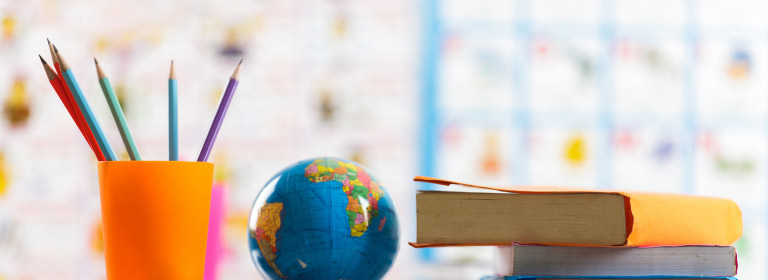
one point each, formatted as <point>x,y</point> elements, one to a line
<point>669,220</point>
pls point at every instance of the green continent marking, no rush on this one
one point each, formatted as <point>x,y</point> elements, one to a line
<point>266,229</point>
<point>358,185</point>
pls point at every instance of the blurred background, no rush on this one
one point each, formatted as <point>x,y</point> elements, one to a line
<point>656,95</point>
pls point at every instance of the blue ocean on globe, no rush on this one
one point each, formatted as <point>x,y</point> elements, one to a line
<point>323,218</point>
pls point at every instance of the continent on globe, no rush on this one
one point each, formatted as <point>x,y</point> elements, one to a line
<point>382,222</point>
<point>266,229</point>
<point>359,187</point>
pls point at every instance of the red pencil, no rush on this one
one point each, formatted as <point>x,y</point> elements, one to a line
<point>59,88</point>
<point>79,119</point>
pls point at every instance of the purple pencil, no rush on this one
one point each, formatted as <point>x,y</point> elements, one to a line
<point>216,125</point>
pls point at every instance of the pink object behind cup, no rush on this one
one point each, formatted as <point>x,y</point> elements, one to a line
<point>215,249</point>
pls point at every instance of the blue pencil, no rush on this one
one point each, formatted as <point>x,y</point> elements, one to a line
<point>173,126</point>
<point>85,108</point>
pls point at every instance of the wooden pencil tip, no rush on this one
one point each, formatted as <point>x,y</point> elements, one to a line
<point>49,41</point>
<point>54,59</point>
<point>55,48</point>
<point>172,73</point>
<point>63,64</point>
<point>48,71</point>
<point>99,72</point>
<point>237,70</point>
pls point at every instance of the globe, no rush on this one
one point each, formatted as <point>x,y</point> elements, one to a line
<point>323,218</point>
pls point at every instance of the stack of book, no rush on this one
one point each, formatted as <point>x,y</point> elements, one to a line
<point>556,233</point>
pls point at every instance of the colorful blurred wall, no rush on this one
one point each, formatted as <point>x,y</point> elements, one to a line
<point>647,95</point>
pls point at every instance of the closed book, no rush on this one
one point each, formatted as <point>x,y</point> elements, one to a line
<point>528,277</point>
<point>564,261</point>
<point>561,216</point>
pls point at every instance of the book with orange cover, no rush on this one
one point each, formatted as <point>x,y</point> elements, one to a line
<point>572,217</point>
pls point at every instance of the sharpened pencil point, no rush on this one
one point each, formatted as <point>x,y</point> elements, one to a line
<point>237,70</point>
<point>49,40</point>
<point>54,58</point>
<point>99,72</point>
<point>48,70</point>
<point>62,63</point>
<point>55,48</point>
<point>172,74</point>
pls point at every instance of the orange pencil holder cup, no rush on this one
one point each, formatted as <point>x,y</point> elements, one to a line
<point>155,218</point>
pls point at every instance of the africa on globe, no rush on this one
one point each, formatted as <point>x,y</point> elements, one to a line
<point>323,218</point>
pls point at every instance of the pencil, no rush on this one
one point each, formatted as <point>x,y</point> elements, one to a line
<point>219,118</point>
<point>173,128</point>
<point>117,113</point>
<point>56,84</point>
<point>59,88</point>
<point>74,88</point>
<point>80,120</point>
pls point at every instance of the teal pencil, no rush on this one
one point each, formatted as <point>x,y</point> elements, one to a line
<point>173,126</point>
<point>85,108</point>
<point>117,113</point>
